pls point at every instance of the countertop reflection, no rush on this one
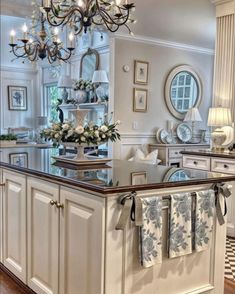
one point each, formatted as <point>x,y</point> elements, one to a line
<point>116,176</point>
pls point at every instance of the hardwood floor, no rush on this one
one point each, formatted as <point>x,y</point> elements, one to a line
<point>9,286</point>
<point>229,287</point>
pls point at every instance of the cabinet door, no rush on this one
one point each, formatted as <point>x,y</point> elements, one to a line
<point>14,223</point>
<point>43,236</point>
<point>81,243</point>
<point>1,217</point>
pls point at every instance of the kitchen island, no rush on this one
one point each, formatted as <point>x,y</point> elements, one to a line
<point>58,228</point>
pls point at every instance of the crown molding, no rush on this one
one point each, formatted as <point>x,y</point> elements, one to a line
<point>219,2</point>
<point>224,7</point>
<point>18,70</point>
<point>164,43</point>
<point>12,9</point>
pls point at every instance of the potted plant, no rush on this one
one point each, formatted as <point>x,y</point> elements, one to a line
<point>82,88</point>
<point>8,138</point>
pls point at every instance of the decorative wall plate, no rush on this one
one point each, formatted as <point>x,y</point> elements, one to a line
<point>184,132</point>
<point>163,136</point>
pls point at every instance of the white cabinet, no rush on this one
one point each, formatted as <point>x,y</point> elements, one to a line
<point>81,243</point>
<point>220,165</point>
<point>43,236</point>
<point>14,223</point>
<point>170,154</point>
<point>1,211</point>
<point>199,162</point>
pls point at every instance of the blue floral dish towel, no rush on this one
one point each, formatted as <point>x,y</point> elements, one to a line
<point>204,220</point>
<point>180,239</point>
<point>151,232</point>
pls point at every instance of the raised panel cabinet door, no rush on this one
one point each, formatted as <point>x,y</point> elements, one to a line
<point>14,223</point>
<point>81,243</point>
<point>1,217</point>
<point>43,236</point>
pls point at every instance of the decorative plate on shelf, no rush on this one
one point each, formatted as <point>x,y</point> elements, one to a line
<point>184,132</point>
<point>163,136</point>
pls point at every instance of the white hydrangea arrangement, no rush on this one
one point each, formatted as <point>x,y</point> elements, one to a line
<point>89,134</point>
<point>83,85</point>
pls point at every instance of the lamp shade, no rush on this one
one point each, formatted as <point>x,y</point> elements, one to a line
<point>219,116</point>
<point>99,76</point>
<point>65,82</point>
<point>193,114</point>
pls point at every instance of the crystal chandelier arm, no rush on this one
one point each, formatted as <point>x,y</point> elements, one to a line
<point>62,19</point>
<point>108,21</point>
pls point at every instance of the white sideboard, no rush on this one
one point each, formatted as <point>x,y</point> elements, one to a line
<point>170,154</point>
<point>220,164</point>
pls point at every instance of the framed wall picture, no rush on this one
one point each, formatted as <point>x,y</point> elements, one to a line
<point>138,178</point>
<point>140,100</point>
<point>141,69</point>
<point>19,159</point>
<point>17,98</point>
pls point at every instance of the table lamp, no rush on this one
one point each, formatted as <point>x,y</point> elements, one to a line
<point>99,78</point>
<point>65,82</point>
<point>218,117</point>
<point>193,115</point>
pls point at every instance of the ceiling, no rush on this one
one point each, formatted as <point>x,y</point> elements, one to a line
<point>184,21</point>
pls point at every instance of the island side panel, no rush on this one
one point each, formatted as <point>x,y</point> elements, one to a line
<point>201,272</point>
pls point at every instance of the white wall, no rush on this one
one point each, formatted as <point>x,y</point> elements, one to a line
<point>162,60</point>
<point>16,73</point>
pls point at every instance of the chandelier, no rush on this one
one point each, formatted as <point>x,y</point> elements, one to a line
<point>83,14</point>
<point>34,46</point>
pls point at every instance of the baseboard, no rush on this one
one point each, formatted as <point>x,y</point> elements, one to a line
<point>24,287</point>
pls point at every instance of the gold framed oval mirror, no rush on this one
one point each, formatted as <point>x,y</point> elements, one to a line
<point>89,63</point>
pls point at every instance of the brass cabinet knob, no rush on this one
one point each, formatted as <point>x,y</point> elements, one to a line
<point>52,202</point>
<point>59,205</point>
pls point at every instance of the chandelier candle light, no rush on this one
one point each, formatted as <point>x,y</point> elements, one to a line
<point>83,14</point>
<point>34,46</point>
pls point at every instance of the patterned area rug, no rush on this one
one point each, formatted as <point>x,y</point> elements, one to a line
<point>230,259</point>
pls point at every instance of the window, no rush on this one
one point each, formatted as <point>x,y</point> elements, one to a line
<point>52,94</point>
<point>183,91</point>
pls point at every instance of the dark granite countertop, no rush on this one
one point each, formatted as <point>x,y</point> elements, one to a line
<point>228,155</point>
<point>117,176</point>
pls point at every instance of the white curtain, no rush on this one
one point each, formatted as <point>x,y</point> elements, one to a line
<point>224,73</point>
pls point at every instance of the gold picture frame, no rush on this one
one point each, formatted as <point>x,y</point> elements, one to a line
<point>140,100</point>
<point>141,72</point>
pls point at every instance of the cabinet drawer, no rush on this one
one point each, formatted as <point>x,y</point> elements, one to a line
<point>175,153</point>
<point>196,162</point>
<point>223,166</point>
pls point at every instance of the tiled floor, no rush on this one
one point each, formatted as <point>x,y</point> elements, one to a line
<point>230,259</point>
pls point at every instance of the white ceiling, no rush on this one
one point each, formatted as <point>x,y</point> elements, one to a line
<point>184,21</point>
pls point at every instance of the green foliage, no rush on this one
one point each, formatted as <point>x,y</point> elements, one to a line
<point>9,137</point>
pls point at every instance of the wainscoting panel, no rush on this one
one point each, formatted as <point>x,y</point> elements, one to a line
<point>125,148</point>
